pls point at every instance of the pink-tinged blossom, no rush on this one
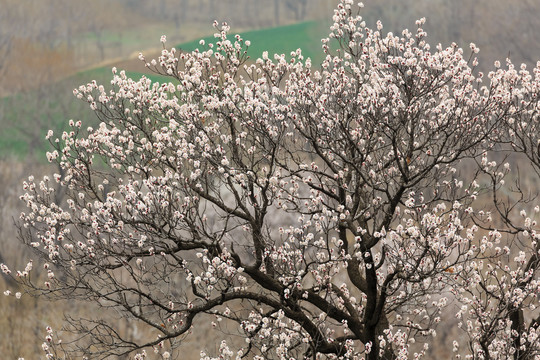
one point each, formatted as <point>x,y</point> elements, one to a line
<point>340,211</point>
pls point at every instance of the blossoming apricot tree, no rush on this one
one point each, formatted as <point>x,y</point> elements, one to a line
<point>337,212</point>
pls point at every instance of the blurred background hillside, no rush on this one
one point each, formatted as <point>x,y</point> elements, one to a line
<point>49,47</point>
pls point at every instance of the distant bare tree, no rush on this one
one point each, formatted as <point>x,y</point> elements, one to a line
<point>298,7</point>
<point>276,12</point>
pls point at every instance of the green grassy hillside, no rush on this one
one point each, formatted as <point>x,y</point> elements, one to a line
<point>25,118</point>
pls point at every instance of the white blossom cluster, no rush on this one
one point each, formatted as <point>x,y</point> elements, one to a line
<point>330,212</point>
